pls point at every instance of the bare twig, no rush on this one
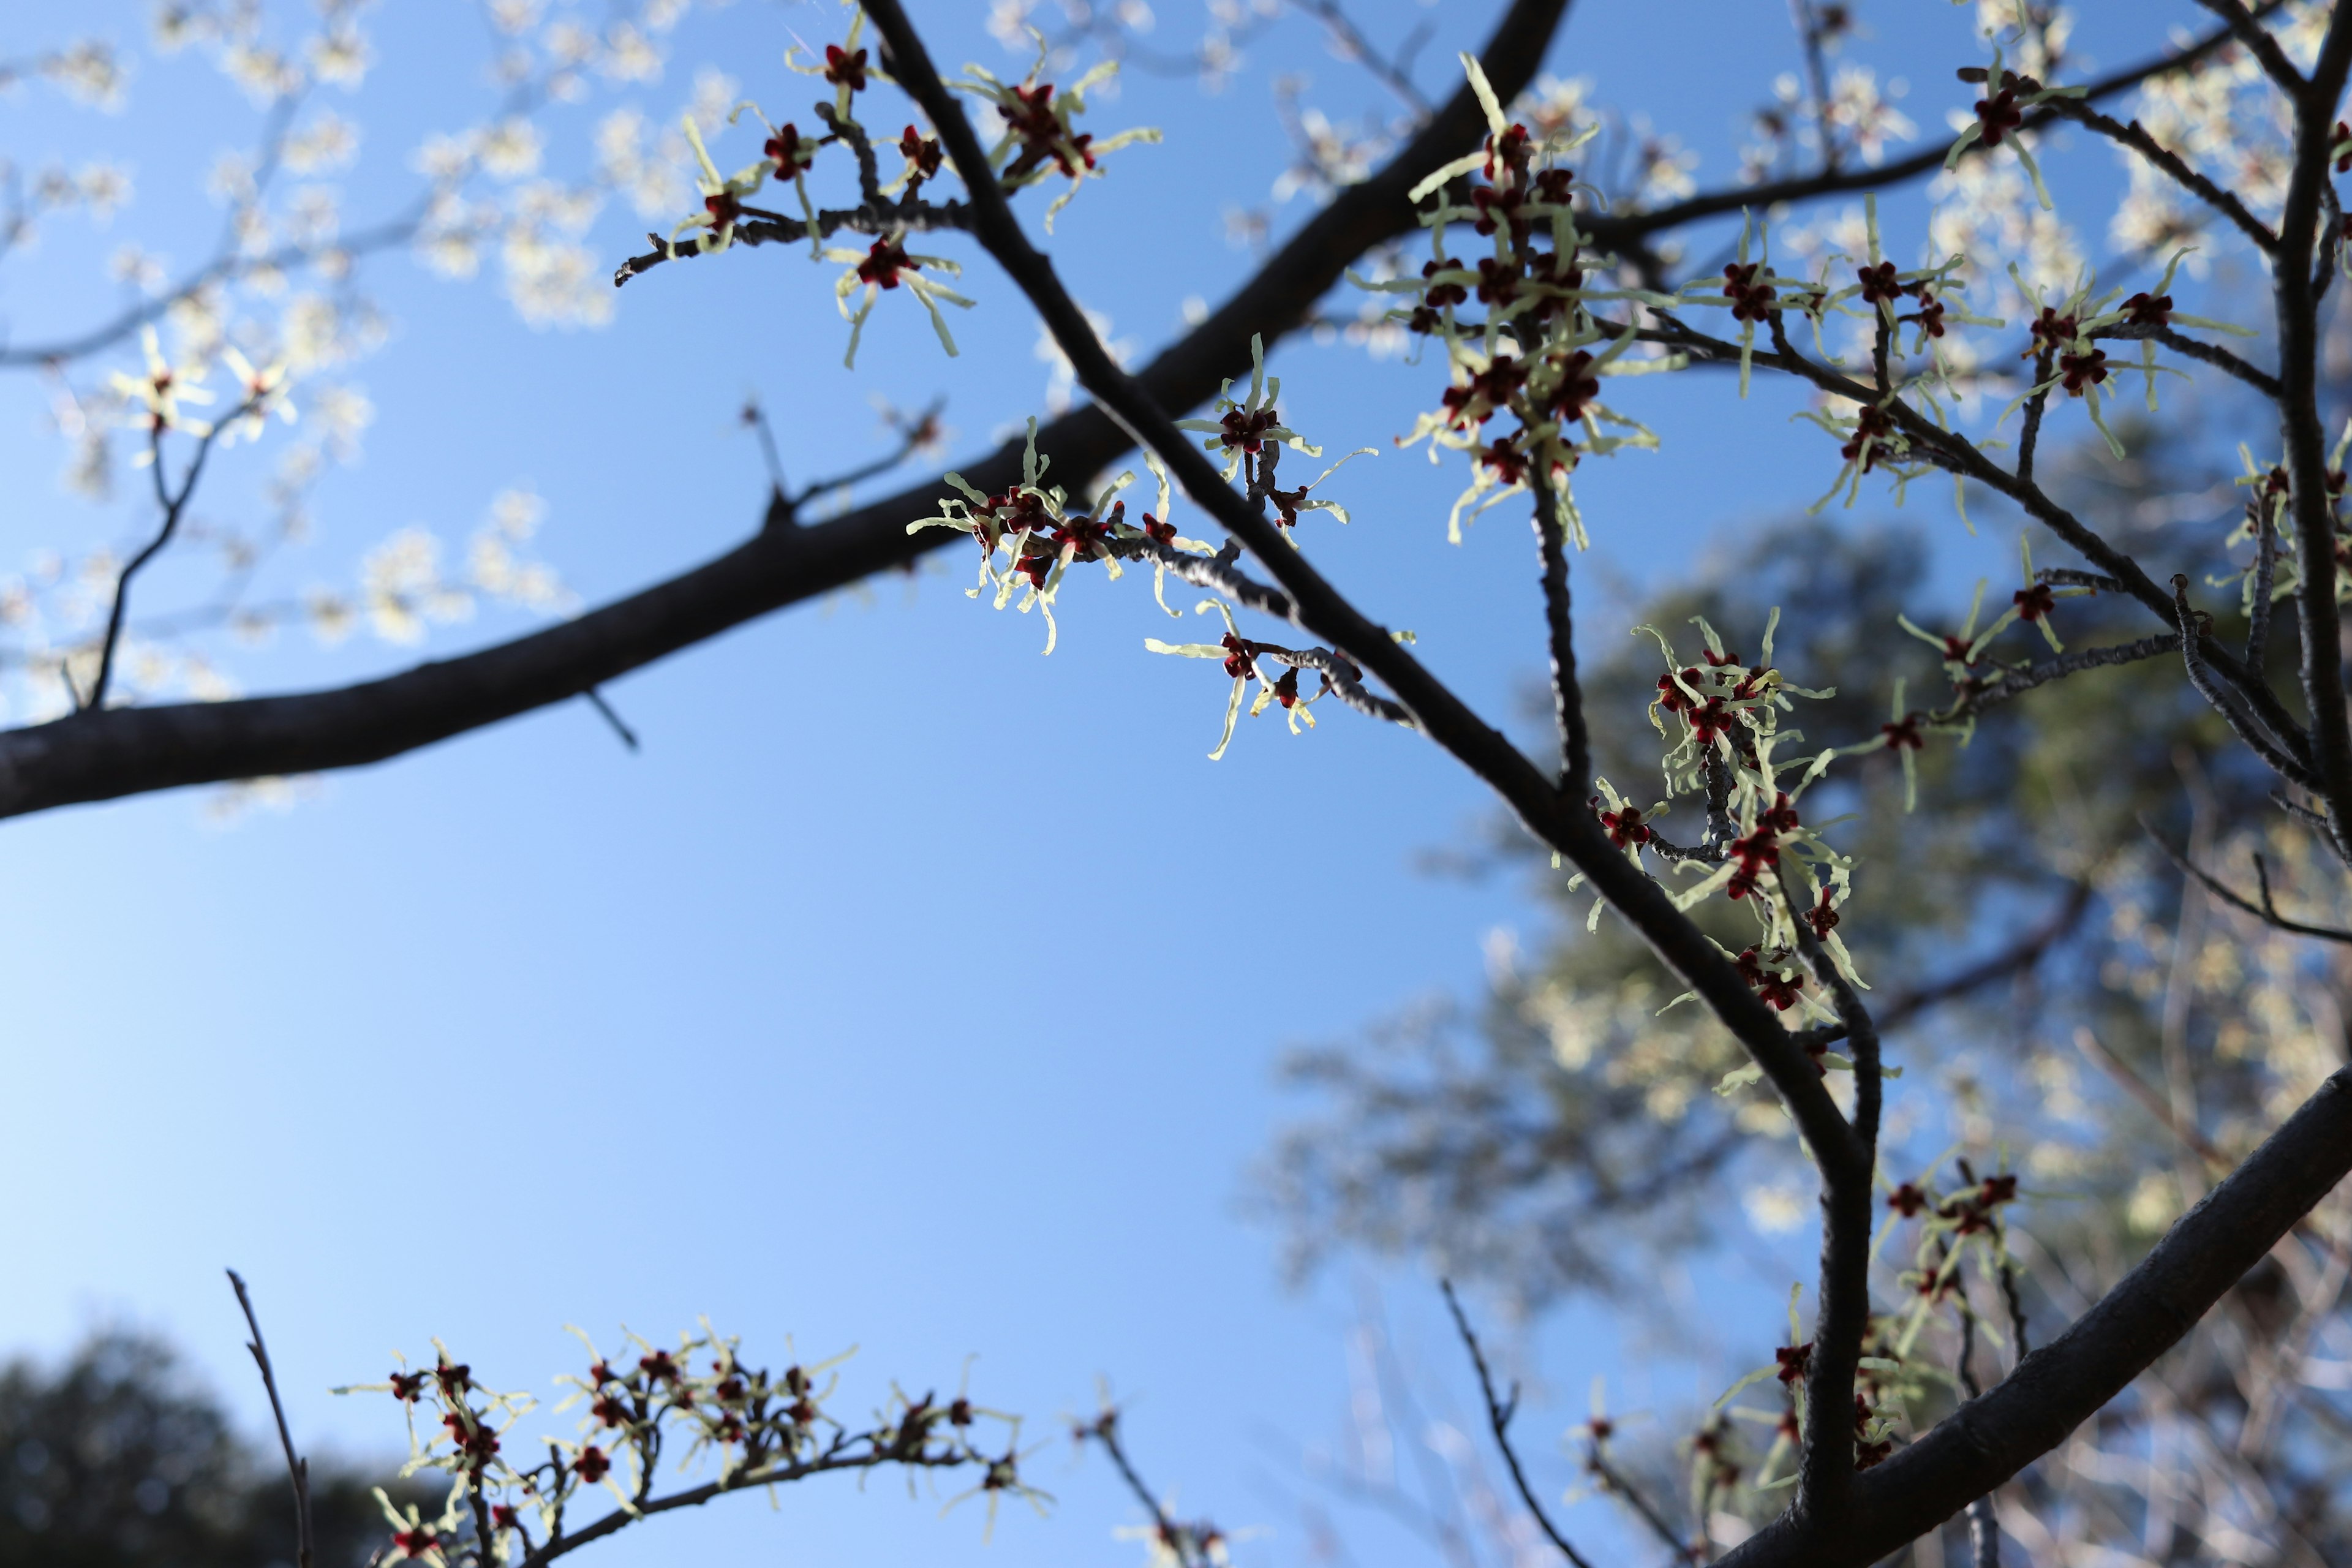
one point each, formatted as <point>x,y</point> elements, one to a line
<point>2221,359</point>
<point>1392,73</point>
<point>2247,29</point>
<point>1499,1412</point>
<point>1974,695</point>
<point>297,1467</point>
<point>2195,635</point>
<point>2134,136</point>
<point>1615,1481</point>
<point>2151,1099</point>
<point>596,700</point>
<point>2305,436</point>
<point>2019,956</point>
<point>2265,911</point>
<point>1817,78</point>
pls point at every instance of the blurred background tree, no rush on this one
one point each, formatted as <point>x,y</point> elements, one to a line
<point>116,1458</point>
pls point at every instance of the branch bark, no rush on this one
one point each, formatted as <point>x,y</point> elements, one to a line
<point>2059,1386</point>
<point>124,752</point>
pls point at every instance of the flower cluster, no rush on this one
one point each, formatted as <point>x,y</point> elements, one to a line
<point>699,1401</point>
<point>1535,350</point>
<point>2267,522</point>
<point>1041,535</point>
<point>1040,136</point>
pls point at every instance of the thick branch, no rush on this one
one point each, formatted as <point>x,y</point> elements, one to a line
<point>2304,436</point>
<point>123,752</point>
<point>2056,1388</point>
<point>1322,610</point>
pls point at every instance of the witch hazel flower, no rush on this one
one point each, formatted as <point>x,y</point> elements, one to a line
<point>722,198</point>
<point>262,392</point>
<point>888,265</point>
<point>790,155</point>
<point>2001,117</point>
<point>1040,136</point>
<point>1043,536</point>
<point>1537,351</point>
<point>1288,503</point>
<point>160,392</point>
<point>1245,426</point>
<point>2036,604</point>
<point>845,66</point>
<point>2152,308</point>
<point>1960,651</point>
<point>1244,661</point>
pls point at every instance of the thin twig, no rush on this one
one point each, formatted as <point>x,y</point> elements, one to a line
<point>596,699</point>
<point>1391,73</point>
<point>2221,359</point>
<point>1817,78</point>
<point>2194,634</point>
<point>2022,954</point>
<point>1188,1543</point>
<point>2135,137</point>
<point>297,1467</point>
<point>2151,1099</point>
<point>2249,31</point>
<point>1614,1480</point>
<point>2265,911</point>
<point>1499,1417</point>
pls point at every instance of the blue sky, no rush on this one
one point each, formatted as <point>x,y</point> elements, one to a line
<point>907,988</point>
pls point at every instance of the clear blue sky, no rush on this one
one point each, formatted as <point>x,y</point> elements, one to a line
<point>790,1019</point>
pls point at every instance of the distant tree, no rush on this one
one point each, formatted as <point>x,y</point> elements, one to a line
<point>118,1459</point>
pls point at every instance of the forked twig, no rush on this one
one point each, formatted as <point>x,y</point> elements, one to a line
<point>296,1465</point>
<point>1499,1417</point>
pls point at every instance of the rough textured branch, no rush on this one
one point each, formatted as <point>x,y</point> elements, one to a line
<point>121,751</point>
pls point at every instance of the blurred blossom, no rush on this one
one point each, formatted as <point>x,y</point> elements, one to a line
<point>340,58</point>
<point>568,44</point>
<point>312,215</point>
<point>1862,117</point>
<point>715,92</point>
<point>1663,172</point>
<point>402,589</point>
<point>327,141</point>
<point>103,187</point>
<point>230,179</point>
<point>342,413</point>
<point>1061,385</point>
<point>651,182</point>
<point>88,72</point>
<point>265,75</point>
<point>443,158</point>
<point>1556,107</point>
<point>510,149</point>
<point>629,54</point>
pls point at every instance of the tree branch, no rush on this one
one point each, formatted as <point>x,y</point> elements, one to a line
<point>297,1467</point>
<point>1322,610</point>
<point>2266,911</point>
<point>121,751</point>
<point>2059,1386</point>
<point>2221,359</point>
<point>1499,1418</point>
<point>2304,437</point>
